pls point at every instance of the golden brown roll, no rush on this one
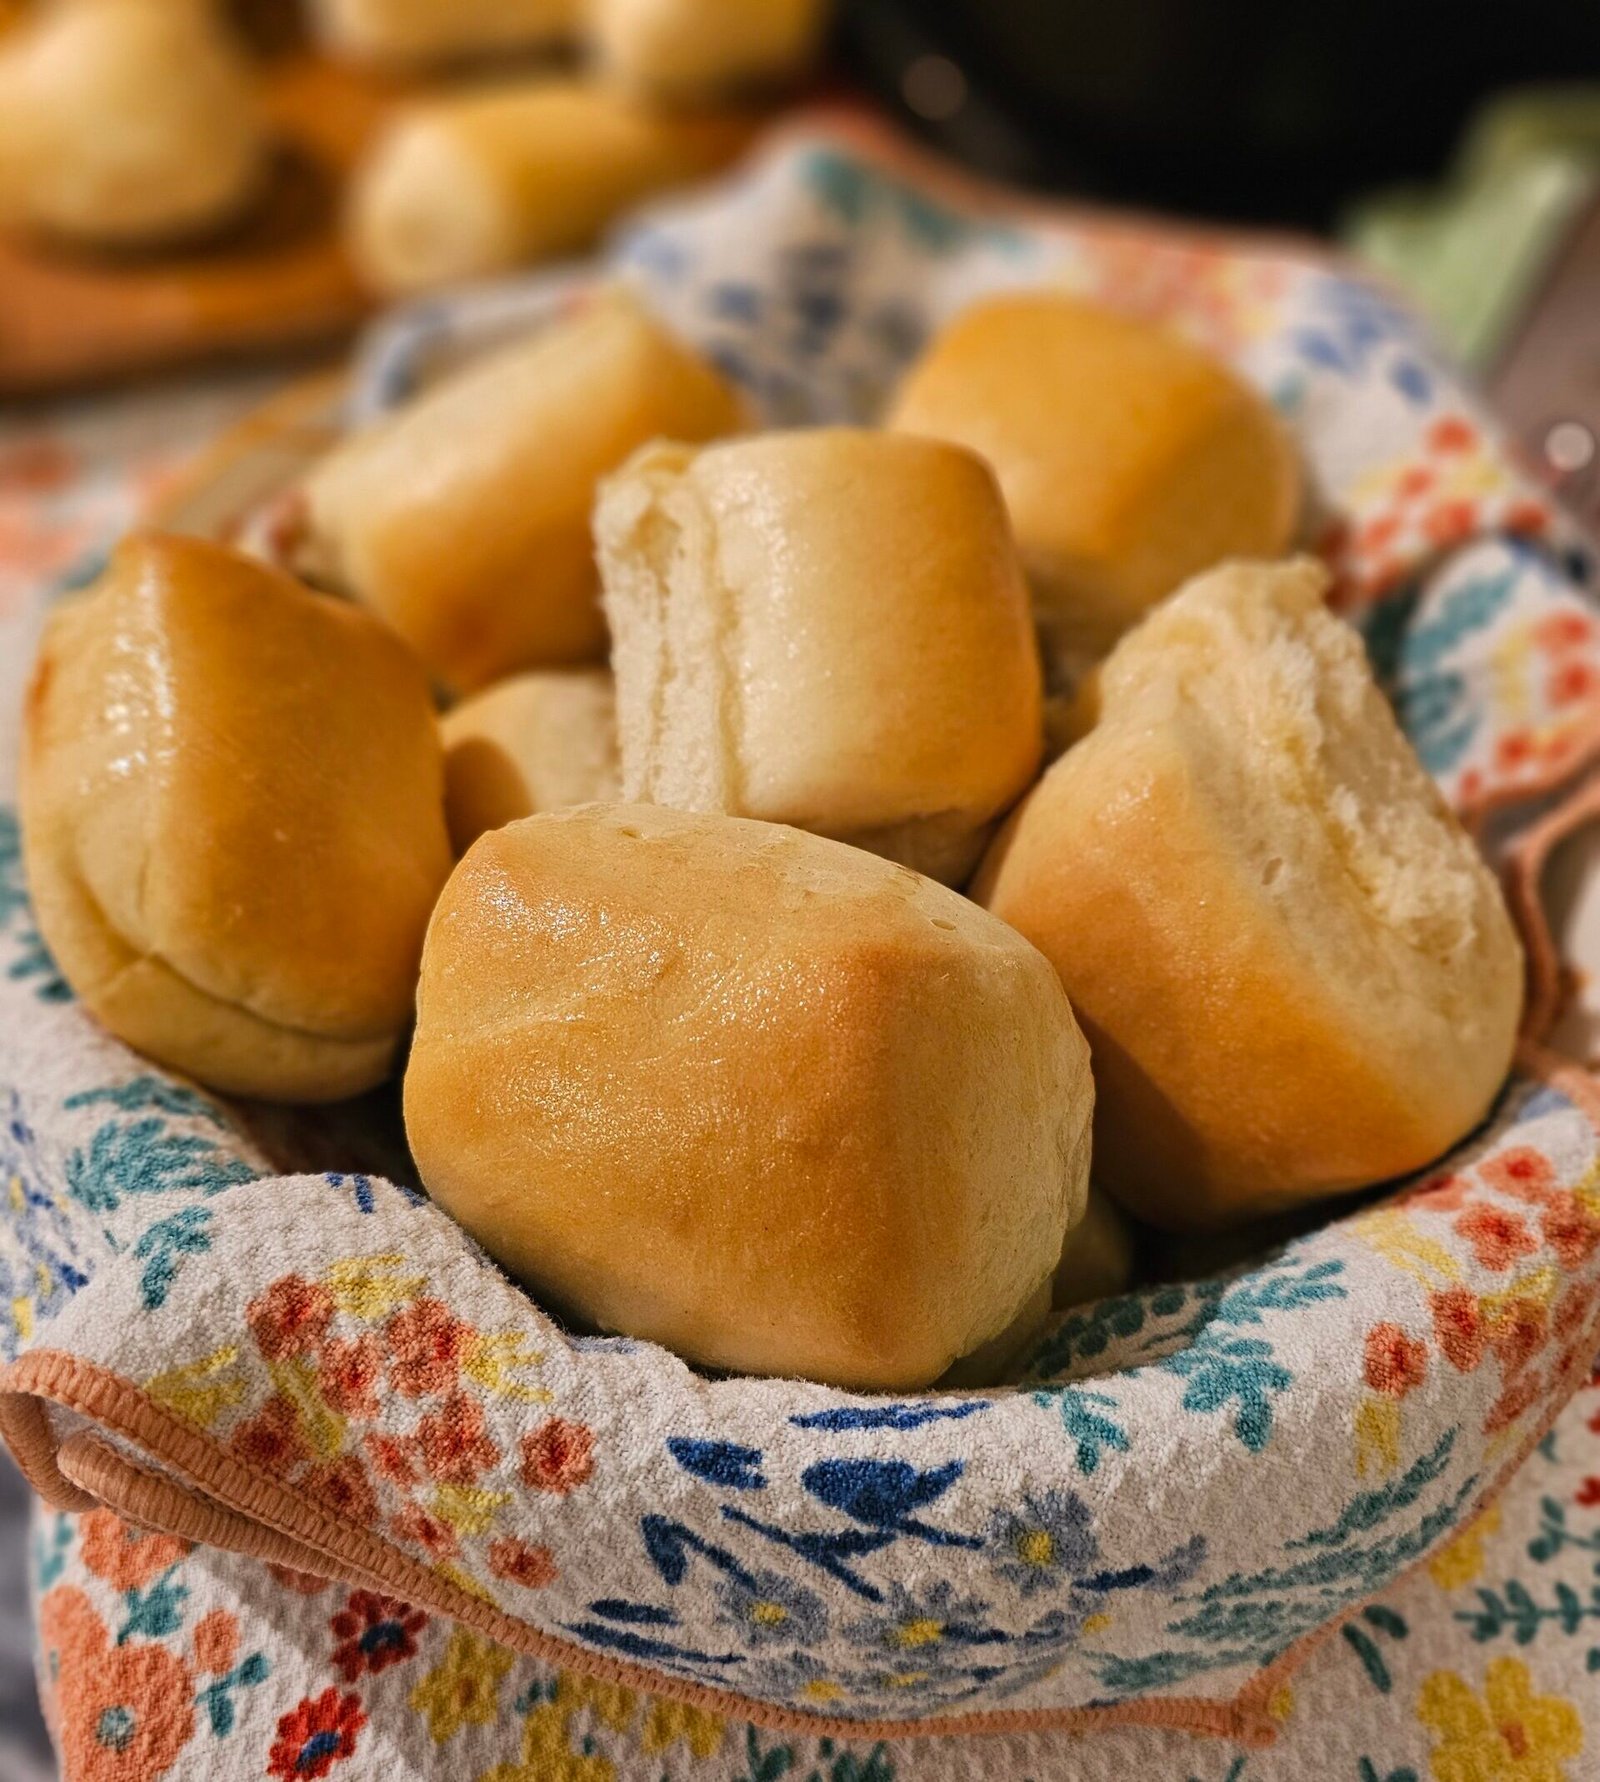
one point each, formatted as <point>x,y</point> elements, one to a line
<point>679,49</point>
<point>826,628</point>
<point>463,519</point>
<point>233,820</point>
<point>126,122</point>
<point>778,1104</point>
<point>1295,973</point>
<point>482,182</point>
<point>538,742</point>
<point>412,31</point>
<point>1130,460</point>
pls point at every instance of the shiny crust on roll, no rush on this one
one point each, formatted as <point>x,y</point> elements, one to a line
<point>1295,971</point>
<point>232,820</point>
<point>778,1104</point>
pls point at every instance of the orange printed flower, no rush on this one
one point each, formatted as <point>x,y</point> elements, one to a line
<point>1519,1395</point>
<point>1395,1362</point>
<point>121,1712</point>
<point>430,1532</point>
<point>1497,1237</point>
<point>558,1456</point>
<point>1571,682</point>
<point>1457,1327</point>
<point>1517,1332</point>
<point>1574,1310</point>
<point>374,1632</point>
<point>1450,433</point>
<point>531,1567</point>
<point>344,1487</point>
<point>1513,749</point>
<point>315,1736</point>
<point>1521,1171</point>
<point>427,1344</point>
<point>271,1439</point>
<point>455,1446</point>
<point>348,1373</point>
<point>1563,630</point>
<point>125,1556</point>
<point>1570,1230</point>
<point>1449,522</point>
<point>394,1458</point>
<point>216,1642</point>
<point>290,1318</point>
<point>1442,1194</point>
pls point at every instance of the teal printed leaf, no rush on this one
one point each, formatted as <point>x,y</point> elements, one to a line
<point>1092,1432</point>
<point>1371,1659</point>
<point>155,1611</point>
<point>184,1233</point>
<point>144,1157</point>
<point>1373,1507</point>
<point>157,1094</point>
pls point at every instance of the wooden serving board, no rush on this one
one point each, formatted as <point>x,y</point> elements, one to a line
<point>279,279</point>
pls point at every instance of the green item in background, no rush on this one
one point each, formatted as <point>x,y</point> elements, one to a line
<point>1474,252</point>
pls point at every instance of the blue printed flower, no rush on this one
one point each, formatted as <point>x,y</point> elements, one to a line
<point>1045,1544</point>
<point>927,1630</point>
<point>770,1609</point>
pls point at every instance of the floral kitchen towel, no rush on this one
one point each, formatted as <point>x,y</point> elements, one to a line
<point>1165,1521</point>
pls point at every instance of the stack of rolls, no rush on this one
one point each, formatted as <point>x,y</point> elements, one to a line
<point>707,1042</point>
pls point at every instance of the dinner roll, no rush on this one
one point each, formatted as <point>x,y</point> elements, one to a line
<point>126,122</point>
<point>463,518</point>
<point>410,31</point>
<point>538,742</point>
<point>471,184</point>
<point>687,48</point>
<point>826,628</point>
<point>1295,972</point>
<point>1130,459</point>
<point>233,820</point>
<point>778,1104</point>
<point>1099,1257</point>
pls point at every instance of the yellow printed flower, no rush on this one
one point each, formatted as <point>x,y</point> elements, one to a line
<point>1377,1433</point>
<point>463,1689</point>
<point>613,1705</point>
<point>547,1754</point>
<point>1460,1561</point>
<point>1511,1735</point>
<point>670,1721</point>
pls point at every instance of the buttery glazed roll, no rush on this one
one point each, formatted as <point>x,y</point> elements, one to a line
<point>778,1104</point>
<point>483,182</point>
<point>826,628</point>
<point>464,518</point>
<point>126,122</point>
<point>687,48</point>
<point>538,742</point>
<point>233,820</point>
<point>1296,974</point>
<point>1130,460</point>
<point>406,31</point>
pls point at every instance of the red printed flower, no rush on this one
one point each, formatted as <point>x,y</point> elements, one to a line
<point>1395,1362</point>
<point>394,1458</point>
<point>430,1532</point>
<point>1497,1237</point>
<point>1563,630</point>
<point>1418,480</point>
<point>125,1556</point>
<point>1571,682</point>
<point>1520,1392</point>
<point>1458,1327</point>
<point>344,1487</point>
<point>426,1345</point>
<point>1574,1309</point>
<point>1517,1332</point>
<point>532,1567</point>
<point>374,1632</point>
<point>348,1374</point>
<point>271,1439</point>
<point>1522,1172</point>
<point>1450,433</point>
<point>1588,1493</point>
<point>1442,1194</point>
<point>558,1456</point>
<point>290,1318</point>
<point>1513,749</point>
<point>1450,521</point>
<point>1570,1230</point>
<point>316,1736</point>
<point>455,1446</point>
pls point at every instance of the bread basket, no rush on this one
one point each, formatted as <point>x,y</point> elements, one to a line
<point>249,1329</point>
